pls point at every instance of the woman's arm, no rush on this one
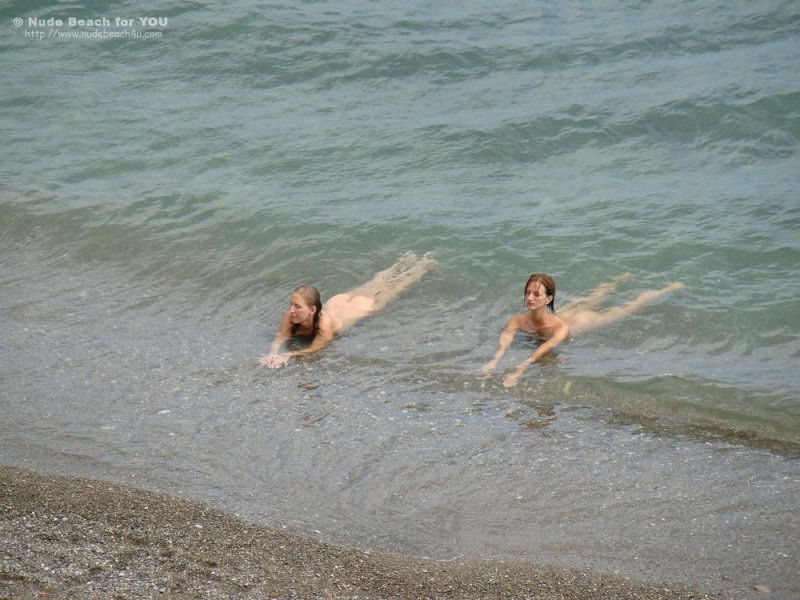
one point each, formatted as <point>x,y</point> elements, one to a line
<point>506,337</point>
<point>323,338</point>
<point>281,337</point>
<point>561,334</point>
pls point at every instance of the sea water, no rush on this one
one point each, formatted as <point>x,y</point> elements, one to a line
<point>172,170</point>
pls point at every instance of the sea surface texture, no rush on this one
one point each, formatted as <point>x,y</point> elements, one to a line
<point>166,184</point>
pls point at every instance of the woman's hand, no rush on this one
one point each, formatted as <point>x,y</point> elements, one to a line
<point>511,379</point>
<point>486,370</point>
<point>274,361</point>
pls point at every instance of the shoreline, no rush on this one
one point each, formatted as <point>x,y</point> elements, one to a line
<point>67,537</point>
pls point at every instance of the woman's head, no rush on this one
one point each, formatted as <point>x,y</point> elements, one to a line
<point>540,289</point>
<point>305,303</point>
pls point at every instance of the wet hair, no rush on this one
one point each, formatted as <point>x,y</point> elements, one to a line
<point>549,287</point>
<point>312,298</point>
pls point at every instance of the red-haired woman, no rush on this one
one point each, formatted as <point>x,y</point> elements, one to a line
<point>578,316</point>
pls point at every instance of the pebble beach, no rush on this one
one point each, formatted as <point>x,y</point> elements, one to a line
<point>77,538</point>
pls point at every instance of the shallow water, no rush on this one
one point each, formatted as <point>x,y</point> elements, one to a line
<point>161,198</point>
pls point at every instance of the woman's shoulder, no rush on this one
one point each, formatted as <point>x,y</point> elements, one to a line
<point>519,321</point>
<point>329,324</point>
<point>560,327</point>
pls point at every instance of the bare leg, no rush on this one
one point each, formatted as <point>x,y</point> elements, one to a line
<point>584,321</point>
<point>596,296</point>
<point>379,281</point>
<point>405,262</point>
<point>396,285</point>
<point>350,307</point>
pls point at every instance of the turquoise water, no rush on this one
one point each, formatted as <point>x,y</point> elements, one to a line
<point>161,197</point>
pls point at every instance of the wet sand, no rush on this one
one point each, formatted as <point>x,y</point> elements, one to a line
<point>76,538</point>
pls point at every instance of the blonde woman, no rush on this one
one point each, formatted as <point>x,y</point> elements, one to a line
<point>307,319</point>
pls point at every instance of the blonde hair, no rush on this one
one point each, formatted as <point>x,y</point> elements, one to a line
<point>312,298</point>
